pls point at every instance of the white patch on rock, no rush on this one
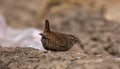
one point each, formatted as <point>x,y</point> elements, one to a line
<point>10,37</point>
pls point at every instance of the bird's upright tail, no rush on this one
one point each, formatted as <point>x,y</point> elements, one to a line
<point>47,26</point>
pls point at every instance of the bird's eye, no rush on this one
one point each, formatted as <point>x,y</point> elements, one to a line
<point>71,38</point>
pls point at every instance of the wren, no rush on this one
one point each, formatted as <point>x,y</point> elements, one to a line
<point>55,41</point>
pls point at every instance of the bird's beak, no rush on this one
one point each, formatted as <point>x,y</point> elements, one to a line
<point>80,44</point>
<point>78,41</point>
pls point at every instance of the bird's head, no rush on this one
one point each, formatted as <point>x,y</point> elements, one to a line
<point>73,39</point>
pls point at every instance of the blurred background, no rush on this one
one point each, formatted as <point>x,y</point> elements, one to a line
<point>95,22</point>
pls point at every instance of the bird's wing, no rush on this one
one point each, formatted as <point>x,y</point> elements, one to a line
<point>56,38</point>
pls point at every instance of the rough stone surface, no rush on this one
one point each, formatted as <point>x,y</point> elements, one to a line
<point>86,19</point>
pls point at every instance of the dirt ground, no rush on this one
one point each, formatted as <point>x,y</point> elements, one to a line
<point>86,19</point>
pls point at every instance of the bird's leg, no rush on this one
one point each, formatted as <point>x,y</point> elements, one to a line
<point>47,51</point>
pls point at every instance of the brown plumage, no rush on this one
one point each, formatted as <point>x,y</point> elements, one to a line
<point>56,41</point>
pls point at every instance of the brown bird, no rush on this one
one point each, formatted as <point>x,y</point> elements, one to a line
<point>57,41</point>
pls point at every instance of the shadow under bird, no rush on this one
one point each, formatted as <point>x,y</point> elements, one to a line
<point>55,41</point>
